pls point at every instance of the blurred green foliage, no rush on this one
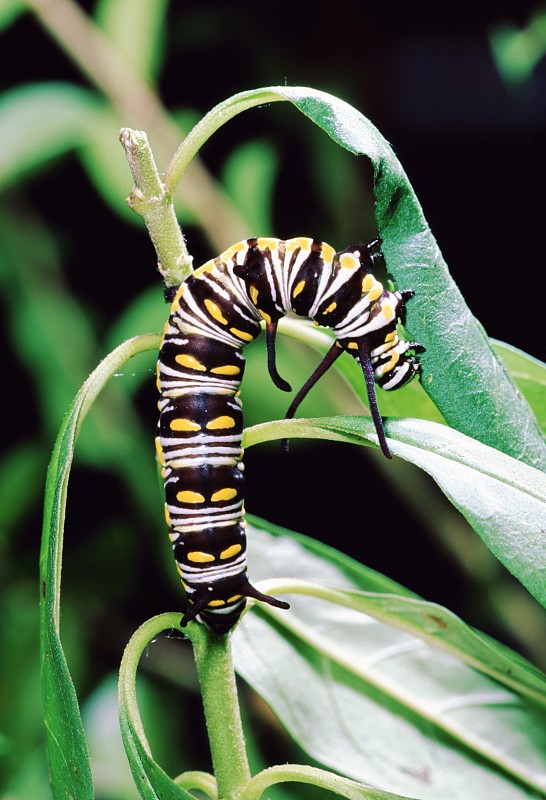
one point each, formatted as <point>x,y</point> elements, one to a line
<point>518,51</point>
<point>77,277</point>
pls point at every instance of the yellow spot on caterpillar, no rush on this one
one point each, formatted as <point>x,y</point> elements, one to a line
<point>331,307</point>
<point>181,424</point>
<point>229,552</point>
<point>348,261</point>
<point>224,494</point>
<point>246,337</point>
<point>215,311</point>
<point>206,268</point>
<point>368,282</point>
<point>198,557</point>
<point>189,361</point>
<point>167,516</point>
<point>221,423</point>
<point>228,254</point>
<point>327,252</point>
<point>253,292</point>
<point>352,346</point>
<point>159,451</point>
<point>226,369</point>
<point>390,336</point>
<point>299,289</point>
<point>216,603</point>
<point>234,598</point>
<point>179,570</point>
<point>300,242</point>
<point>265,315</point>
<point>271,243</point>
<point>376,292</point>
<point>188,496</point>
<point>184,585</point>
<point>390,365</point>
<point>387,309</point>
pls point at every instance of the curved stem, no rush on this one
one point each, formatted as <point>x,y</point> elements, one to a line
<point>202,781</point>
<point>297,773</point>
<point>217,680</point>
<point>210,123</point>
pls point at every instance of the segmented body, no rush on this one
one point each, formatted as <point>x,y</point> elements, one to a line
<point>215,313</point>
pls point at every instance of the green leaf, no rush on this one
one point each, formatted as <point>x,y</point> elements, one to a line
<point>137,28</point>
<point>40,121</point>
<point>384,696</point>
<point>529,374</point>
<point>503,499</point>
<point>67,750</point>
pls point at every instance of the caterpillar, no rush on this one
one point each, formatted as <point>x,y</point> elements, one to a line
<point>215,313</point>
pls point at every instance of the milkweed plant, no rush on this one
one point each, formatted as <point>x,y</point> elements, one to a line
<point>385,694</point>
<point>395,694</point>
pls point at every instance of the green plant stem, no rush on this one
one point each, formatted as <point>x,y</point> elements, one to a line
<point>154,204</point>
<point>202,781</point>
<point>222,714</point>
<point>296,773</point>
<point>153,198</point>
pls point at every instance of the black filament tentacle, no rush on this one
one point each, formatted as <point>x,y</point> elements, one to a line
<point>367,368</point>
<point>271,336</point>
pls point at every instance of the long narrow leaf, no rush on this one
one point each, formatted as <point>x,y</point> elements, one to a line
<point>67,749</point>
<point>503,499</point>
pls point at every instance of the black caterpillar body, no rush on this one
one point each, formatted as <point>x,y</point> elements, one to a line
<point>214,314</point>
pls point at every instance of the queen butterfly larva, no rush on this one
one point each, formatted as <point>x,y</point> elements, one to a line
<point>214,314</point>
